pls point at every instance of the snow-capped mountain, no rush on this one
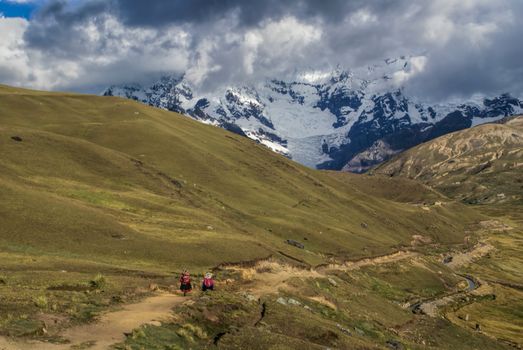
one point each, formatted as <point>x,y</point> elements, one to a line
<point>329,120</point>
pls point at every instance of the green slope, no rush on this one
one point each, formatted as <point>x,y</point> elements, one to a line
<point>112,180</point>
<point>104,185</point>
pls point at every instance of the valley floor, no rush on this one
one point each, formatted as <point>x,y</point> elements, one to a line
<point>421,297</point>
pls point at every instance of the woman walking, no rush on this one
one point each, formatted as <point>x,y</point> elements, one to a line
<point>208,282</point>
<point>185,282</point>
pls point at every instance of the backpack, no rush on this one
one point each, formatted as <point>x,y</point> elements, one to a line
<point>207,282</point>
<point>186,279</point>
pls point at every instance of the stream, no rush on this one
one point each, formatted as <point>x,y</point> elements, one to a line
<point>471,285</point>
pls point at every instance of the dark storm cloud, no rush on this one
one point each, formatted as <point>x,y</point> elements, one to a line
<point>166,12</point>
<point>57,27</point>
<point>470,46</point>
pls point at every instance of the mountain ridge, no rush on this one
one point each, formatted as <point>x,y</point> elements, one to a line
<point>477,165</point>
<point>326,120</point>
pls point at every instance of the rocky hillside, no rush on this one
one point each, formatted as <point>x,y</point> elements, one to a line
<point>350,119</point>
<point>478,165</point>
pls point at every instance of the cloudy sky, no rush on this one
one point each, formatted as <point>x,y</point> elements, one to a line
<point>468,46</point>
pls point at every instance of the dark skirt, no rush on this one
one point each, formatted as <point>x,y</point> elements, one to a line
<point>185,287</point>
<point>205,288</point>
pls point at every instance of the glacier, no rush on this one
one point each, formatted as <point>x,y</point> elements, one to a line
<point>340,119</point>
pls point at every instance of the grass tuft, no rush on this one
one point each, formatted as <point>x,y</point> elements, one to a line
<point>98,282</point>
<point>41,302</point>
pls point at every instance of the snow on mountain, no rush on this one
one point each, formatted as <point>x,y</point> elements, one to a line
<point>326,119</point>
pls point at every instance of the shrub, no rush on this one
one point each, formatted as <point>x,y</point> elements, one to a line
<point>183,333</point>
<point>41,302</point>
<point>98,282</point>
<point>197,331</point>
<point>138,334</point>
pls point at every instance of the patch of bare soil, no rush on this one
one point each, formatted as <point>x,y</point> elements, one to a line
<point>494,225</point>
<point>110,328</point>
<point>324,301</point>
<point>267,277</point>
<point>465,258</point>
<point>418,240</point>
<point>384,259</point>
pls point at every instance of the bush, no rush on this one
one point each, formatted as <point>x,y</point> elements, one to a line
<point>138,334</point>
<point>197,331</point>
<point>98,282</point>
<point>41,302</point>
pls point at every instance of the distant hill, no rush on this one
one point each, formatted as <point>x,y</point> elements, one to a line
<point>483,164</point>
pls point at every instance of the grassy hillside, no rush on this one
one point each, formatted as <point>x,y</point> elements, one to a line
<point>101,197</point>
<point>110,180</point>
<point>480,165</point>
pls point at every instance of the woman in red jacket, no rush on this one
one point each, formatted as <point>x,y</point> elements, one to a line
<point>185,282</point>
<point>208,282</point>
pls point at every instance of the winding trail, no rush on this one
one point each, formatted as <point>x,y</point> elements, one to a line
<point>266,277</point>
<point>474,286</point>
<point>378,260</point>
<point>110,328</point>
<point>464,258</point>
<point>430,307</point>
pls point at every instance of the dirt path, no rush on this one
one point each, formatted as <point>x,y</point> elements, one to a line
<point>267,276</point>
<point>465,258</point>
<point>474,286</point>
<point>384,259</point>
<point>110,328</point>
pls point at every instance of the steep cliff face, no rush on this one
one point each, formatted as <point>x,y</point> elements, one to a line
<point>325,119</point>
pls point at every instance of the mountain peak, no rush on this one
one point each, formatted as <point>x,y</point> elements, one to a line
<point>325,118</point>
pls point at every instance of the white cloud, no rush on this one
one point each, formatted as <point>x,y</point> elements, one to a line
<point>362,17</point>
<point>416,66</point>
<point>276,43</point>
<point>20,66</point>
<point>314,76</point>
<point>268,47</point>
<point>105,46</point>
<point>88,44</point>
<point>465,20</point>
<point>202,64</point>
<point>14,62</point>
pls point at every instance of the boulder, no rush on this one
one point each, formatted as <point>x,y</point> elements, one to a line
<point>395,345</point>
<point>295,243</point>
<point>332,282</point>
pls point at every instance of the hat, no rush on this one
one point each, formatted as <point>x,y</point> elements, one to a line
<point>208,275</point>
